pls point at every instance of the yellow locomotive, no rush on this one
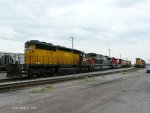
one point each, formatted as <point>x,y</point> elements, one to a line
<point>140,63</point>
<point>44,58</point>
<point>45,53</point>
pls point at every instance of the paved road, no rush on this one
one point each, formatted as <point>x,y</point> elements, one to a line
<point>117,93</point>
<point>2,75</point>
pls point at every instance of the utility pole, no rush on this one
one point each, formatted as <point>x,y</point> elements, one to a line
<point>109,52</point>
<point>120,56</point>
<point>72,41</point>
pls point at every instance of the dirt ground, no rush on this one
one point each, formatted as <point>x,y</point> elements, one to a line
<point>2,75</point>
<point>117,93</point>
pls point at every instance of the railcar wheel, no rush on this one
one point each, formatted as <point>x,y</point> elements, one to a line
<point>30,73</point>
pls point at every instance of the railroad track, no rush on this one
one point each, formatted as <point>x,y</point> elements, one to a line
<point>6,80</point>
<point>13,79</point>
<point>26,83</point>
<point>2,71</point>
<point>26,78</point>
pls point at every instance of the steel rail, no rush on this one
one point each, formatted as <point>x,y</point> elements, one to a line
<point>57,74</point>
<point>26,83</point>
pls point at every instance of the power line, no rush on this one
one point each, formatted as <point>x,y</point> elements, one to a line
<point>11,39</point>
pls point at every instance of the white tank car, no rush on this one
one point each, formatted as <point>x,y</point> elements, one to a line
<point>10,58</point>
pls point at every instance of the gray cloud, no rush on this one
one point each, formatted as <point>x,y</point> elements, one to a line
<point>128,3</point>
<point>96,25</point>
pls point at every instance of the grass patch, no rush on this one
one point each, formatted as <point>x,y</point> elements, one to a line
<point>130,71</point>
<point>88,79</point>
<point>43,89</point>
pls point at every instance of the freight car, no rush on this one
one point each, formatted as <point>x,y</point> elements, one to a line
<point>10,58</point>
<point>140,63</point>
<point>43,58</point>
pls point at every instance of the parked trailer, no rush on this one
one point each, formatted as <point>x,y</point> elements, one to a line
<point>10,58</point>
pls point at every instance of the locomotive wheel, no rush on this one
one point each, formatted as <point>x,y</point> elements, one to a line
<point>95,68</point>
<point>51,72</point>
<point>99,67</point>
<point>41,73</point>
<point>30,74</point>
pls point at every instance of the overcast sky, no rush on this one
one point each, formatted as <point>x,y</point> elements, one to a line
<point>96,25</point>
